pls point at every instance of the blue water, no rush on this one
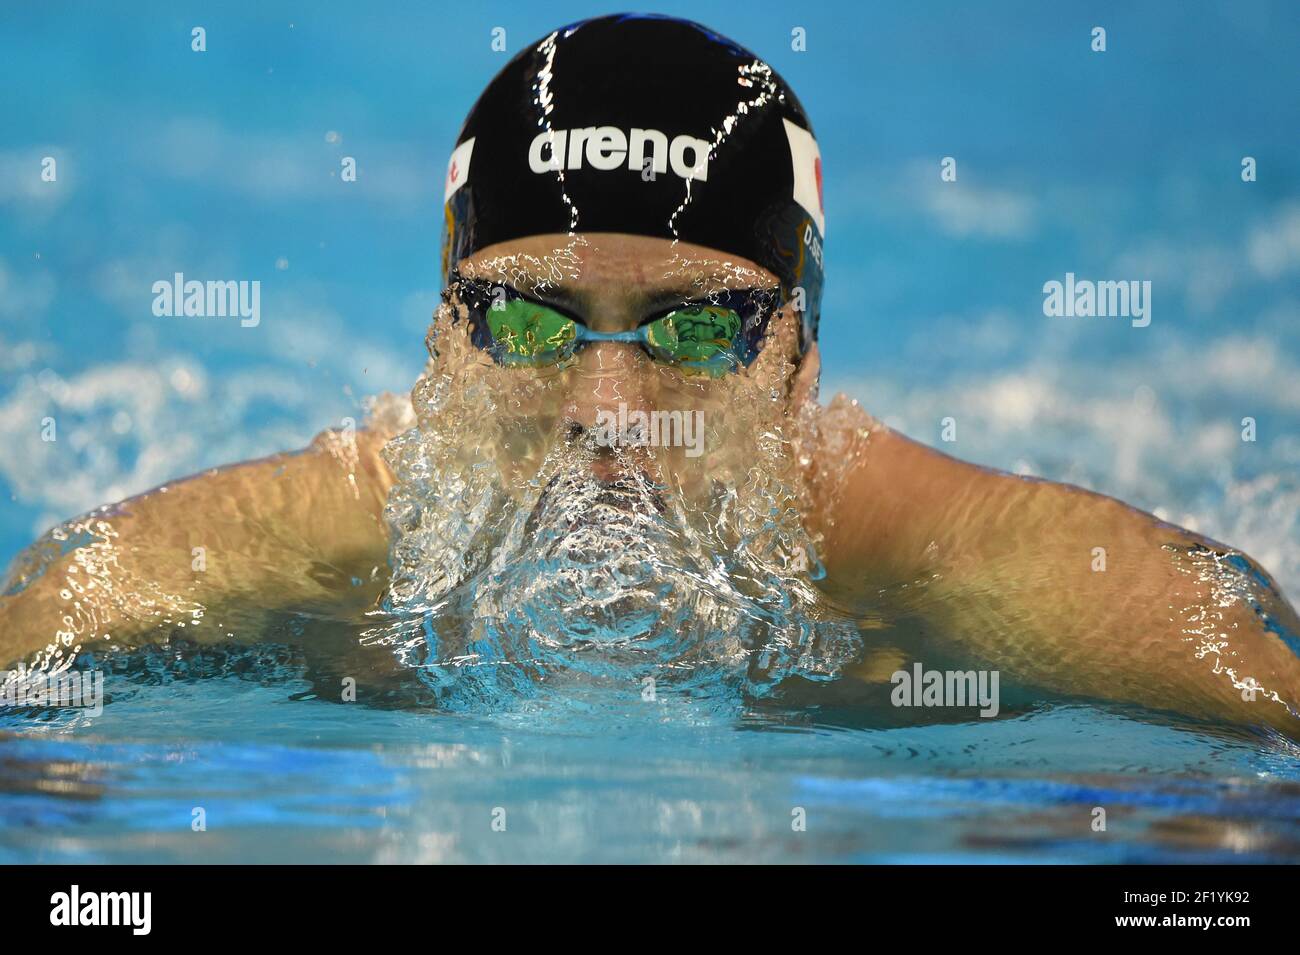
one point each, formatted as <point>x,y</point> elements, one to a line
<point>282,778</point>
<point>224,165</point>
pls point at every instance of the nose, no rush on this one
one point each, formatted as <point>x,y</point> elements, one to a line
<point>610,381</point>
<point>609,377</point>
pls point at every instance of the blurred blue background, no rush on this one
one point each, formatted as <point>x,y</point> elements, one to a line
<point>225,165</point>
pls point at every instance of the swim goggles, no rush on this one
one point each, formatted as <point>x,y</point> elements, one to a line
<point>721,333</point>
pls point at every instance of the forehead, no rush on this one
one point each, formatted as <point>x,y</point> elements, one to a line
<point>588,264</point>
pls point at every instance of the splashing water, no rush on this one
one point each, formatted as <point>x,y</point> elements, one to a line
<point>526,555</point>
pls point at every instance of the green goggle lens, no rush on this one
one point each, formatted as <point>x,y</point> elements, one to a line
<point>697,334</point>
<point>528,332</point>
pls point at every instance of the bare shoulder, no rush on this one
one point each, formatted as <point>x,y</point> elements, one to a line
<point>890,508</point>
<point>292,529</point>
<point>881,499</point>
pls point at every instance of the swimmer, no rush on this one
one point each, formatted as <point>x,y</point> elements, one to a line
<point>634,227</point>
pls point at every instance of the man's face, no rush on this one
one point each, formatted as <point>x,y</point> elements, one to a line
<point>633,407</point>
<point>542,523</point>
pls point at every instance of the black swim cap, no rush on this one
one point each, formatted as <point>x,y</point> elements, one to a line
<point>646,125</point>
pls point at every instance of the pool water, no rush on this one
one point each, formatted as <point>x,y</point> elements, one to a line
<point>284,775</point>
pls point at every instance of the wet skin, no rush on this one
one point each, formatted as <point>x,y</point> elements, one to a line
<point>964,563</point>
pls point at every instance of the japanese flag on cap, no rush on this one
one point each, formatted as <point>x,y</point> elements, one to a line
<point>806,159</point>
<point>458,168</point>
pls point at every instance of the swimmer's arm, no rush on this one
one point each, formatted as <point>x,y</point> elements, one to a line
<point>1001,568</point>
<point>212,552</point>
